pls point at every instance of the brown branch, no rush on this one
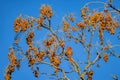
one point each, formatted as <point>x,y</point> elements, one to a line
<point>111,6</point>
<point>65,77</point>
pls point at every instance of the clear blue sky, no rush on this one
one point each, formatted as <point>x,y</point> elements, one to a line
<point>10,9</point>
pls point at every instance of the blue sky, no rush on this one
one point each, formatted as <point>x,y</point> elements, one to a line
<point>10,9</point>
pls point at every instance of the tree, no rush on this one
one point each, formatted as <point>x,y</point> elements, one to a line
<point>55,49</point>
